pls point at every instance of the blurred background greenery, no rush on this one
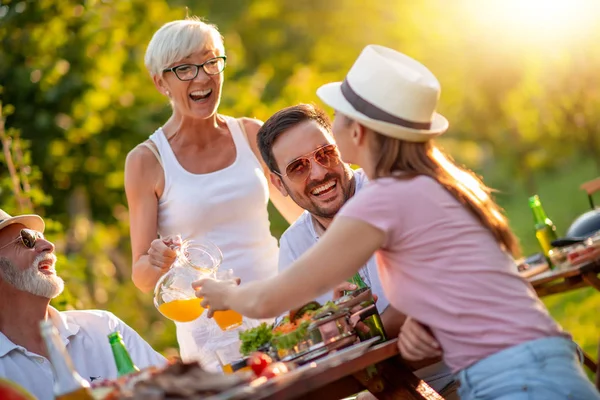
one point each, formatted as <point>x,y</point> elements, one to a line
<point>520,88</point>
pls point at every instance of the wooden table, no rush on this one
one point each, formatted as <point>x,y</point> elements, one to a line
<point>566,280</point>
<point>380,369</point>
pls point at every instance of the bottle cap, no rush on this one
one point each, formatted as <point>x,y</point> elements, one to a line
<point>115,337</point>
<point>534,200</point>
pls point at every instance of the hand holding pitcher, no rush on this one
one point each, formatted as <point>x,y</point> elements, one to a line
<point>173,295</point>
<point>163,252</point>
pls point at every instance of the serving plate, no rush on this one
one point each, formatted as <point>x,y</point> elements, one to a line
<point>346,354</point>
<point>318,348</point>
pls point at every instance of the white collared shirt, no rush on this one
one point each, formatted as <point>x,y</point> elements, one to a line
<point>301,236</point>
<point>85,334</point>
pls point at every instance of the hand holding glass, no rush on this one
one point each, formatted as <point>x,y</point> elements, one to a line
<point>226,319</point>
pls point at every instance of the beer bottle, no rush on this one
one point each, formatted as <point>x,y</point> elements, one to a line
<point>545,231</point>
<point>122,358</point>
<point>68,384</point>
<point>358,281</point>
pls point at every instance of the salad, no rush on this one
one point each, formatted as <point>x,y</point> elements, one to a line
<point>287,333</point>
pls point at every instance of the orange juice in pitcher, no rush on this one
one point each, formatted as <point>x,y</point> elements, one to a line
<point>174,295</point>
<point>182,310</point>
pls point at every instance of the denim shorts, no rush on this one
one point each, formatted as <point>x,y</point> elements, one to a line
<point>541,369</point>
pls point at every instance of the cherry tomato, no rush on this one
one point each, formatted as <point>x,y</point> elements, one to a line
<point>274,370</point>
<point>259,361</point>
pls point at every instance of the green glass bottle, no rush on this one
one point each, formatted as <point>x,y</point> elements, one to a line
<point>545,231</point>
<point>122,359</point>
<point>358,281</point>
<point>371,321</point>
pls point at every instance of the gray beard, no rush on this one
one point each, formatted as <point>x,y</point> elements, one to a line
<point>31,280</point>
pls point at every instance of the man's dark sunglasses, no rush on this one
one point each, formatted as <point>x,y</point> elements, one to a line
<point>299,169</point>
<point>188,72</point>
<point>28,237</point>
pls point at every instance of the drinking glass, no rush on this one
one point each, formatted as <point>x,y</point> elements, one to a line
<point>228,354</point>
<point>227,320</point>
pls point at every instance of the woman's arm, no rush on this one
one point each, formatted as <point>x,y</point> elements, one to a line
<point>341,252</point>
<point>144,178</point>
<point>284,204</point>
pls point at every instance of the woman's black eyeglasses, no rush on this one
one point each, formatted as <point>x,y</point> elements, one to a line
<point>28,237</point>
<point>188,72</point>
<point>299,169</point>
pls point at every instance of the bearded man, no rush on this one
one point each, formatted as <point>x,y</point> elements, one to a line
<point>28,281</point>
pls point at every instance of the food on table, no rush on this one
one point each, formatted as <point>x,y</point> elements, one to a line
<point>582,253</point>
<point>177,381</point>
<point>182,310</point>
<point>288,333</point>
<point>284,336</point>
<point>255,338</point>
<point>274,370</point>
<point>258,361</point>
<point>9,390</point>
<point>300,312</point>
<point>185,380</point>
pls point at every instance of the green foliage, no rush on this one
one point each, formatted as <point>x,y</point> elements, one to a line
<point>74,75</point>
<point>76,98</point>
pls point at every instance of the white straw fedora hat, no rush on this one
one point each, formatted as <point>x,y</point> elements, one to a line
<point>30,221</point>
<point>390,93</point>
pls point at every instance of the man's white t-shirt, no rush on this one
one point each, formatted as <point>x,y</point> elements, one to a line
<point>85,334</point>
<point>301,236</point>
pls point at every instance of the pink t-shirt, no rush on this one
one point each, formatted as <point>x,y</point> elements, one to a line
<point>441,266</point>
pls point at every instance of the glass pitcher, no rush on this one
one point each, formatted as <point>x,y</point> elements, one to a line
<point>174,296</point>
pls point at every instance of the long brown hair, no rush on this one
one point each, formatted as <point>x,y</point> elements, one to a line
<point>394,156</point>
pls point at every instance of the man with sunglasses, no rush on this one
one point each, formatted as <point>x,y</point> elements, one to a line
<point>28,281</point>
<point>298,148</point>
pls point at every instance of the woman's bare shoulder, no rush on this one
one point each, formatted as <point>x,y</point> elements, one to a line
<point>143,161</point>
<point>251,125</point>
<point>143,155</point>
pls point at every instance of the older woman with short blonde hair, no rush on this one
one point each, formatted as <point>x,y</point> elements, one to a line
<point>200,176</point>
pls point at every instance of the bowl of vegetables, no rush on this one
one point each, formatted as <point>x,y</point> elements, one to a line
<point>303,334</point>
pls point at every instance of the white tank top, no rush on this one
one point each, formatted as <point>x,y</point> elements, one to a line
<point>229,208</point>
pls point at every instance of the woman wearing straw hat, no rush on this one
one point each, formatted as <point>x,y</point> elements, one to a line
<point>444,248</point>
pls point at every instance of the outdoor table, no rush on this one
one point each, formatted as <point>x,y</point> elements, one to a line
<point>568,279</point>
<point>564,280</point>
<point>380,369</point>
